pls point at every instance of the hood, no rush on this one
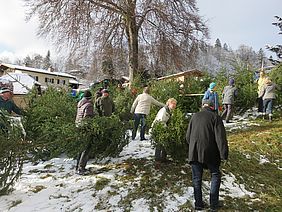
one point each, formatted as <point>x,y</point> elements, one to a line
<point>82,102</point>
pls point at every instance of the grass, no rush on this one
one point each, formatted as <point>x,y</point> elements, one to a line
<point>37,188</point>
<point>264,179</point>
<point>101,183</point>
<point>15,203</point>
<point>154,183</point>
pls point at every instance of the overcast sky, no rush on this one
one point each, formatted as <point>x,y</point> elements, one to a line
<point>234,22</point>
<point>237,22</point>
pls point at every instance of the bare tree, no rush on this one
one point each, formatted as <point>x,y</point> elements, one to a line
<point>89,24</point>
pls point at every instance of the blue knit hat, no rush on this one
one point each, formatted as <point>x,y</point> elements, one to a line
<point>212,85</point>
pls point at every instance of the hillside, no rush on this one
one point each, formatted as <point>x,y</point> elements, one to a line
<point>134,182</point>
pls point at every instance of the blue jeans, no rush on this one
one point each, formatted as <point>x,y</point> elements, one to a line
<point>138,117</point>
<point>267,106</point>
<point>197,173</point>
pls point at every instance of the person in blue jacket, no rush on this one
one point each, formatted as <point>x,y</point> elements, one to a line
<point>212,95</point>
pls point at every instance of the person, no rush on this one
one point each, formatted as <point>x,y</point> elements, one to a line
<point>267,93</point>
<point>228,95</point>
<point>207,142</point>
<point>84,111</point>
<point>120,88</point>
<point>212,95</point>
<point>9,106</point>
<point>261,82</point>
<point>104,104</point>
<point>79,95</point>
<point>98,94</point>
<point>163,116</point>
<point>141,108</point>
<point>6,102</point>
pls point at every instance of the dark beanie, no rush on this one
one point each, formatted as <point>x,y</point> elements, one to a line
<point>87,94</point>
<point>231,81</point>
<point>207,102</point>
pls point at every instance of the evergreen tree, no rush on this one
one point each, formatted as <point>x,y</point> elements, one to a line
<point>47,61</point>
<point>261,57</point>
<point>218,49</point>
<point>217,43</point>
<point>277,49</point>
<point>225,47</point>
<point>27,61</point>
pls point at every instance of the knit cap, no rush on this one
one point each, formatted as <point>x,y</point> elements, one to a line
<point>212,85</point>
<point>231,81</point>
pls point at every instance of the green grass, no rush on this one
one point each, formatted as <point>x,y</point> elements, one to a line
<point>15,203</point>
<point>101,183</point>
<point>246,149</point>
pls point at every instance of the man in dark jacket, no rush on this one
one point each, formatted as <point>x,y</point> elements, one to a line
<point>206,137</point>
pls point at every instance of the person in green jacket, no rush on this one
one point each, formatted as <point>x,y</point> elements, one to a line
<point>6,102</point>
<point>7,105</point>
<point>104,104</point>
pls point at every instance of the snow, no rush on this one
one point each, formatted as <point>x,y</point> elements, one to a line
<point>53,186</point>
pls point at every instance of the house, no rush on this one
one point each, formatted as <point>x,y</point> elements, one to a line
<point>181,76</point>
<point>44,77</point>
<point>21,84</point>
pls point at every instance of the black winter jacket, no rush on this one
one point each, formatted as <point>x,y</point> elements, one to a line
<point>206,138</point>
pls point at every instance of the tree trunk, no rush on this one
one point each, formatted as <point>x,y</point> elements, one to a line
<point>132,36</point>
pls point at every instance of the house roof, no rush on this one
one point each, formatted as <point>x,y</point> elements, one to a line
<point>194,72</point>
<point>36,70</point>
<point>22,83</point>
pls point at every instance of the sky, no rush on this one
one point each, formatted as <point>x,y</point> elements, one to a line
<point>247,22</point>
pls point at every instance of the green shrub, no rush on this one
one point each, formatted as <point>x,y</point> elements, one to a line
<point>172,137</point>
<point>12,153</point>
<point>108,135</point>
<point>50,126</point>
<point>247,89</point>
<point>276,77</point>
<point>49,122</point>
<point>123,101</point>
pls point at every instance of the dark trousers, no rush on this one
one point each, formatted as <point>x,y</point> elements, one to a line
<point>160,153</point>
<point>197,173</point>
<point>226,114</point>
<point>138,117</point>
<point>83,158</point>
<point>260,105</point>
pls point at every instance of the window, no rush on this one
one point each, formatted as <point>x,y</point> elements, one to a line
<point>46,79</point>
<point>36,78</point>
<point>64,82</point>
<point>58,81</point>
<point>52,80</point>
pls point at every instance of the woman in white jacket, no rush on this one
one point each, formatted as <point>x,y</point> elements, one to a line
<point>141,108</point>
<point>163,116</point>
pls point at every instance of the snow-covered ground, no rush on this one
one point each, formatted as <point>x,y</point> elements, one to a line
<point>53,186</point>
